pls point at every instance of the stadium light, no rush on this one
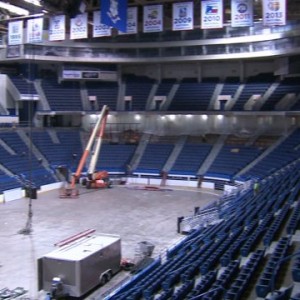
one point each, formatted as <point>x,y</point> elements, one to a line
<point>172,117</point>
<point>204,117</point>
<point>220,117</point>
<point>137,117</point>
<point>14,9</point>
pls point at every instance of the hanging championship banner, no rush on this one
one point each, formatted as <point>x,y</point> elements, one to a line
<point>15,33</point>
<point>100,29</point>
<point>35,30</point>
<point>153,18</point>
<point>183,16</point>
<point>274,12</point>
<point>241,13</point>
<point>57,28</point>
<point>211,14</point>
<point>114,13</point>
<point>131,21</point>
<point>79,29</point>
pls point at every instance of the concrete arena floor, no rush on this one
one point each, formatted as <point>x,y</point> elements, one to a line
<point>135,215</point>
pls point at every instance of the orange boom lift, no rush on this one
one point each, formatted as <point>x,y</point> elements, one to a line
<point>93,179</point>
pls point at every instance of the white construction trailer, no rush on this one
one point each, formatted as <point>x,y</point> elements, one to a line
<point>78,267</point>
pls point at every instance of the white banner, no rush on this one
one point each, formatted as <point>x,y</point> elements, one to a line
<point>274,12</point>
<point>70,74</point>
<point>35,30</point>
<point>90,75</point>
<point>15,33</point>
<point>183,16</point>
<point>211,14</point>
<point>79,28</point>
<point>57,28</point>
<point>131,26</point>
<point>153,18</point>
<point>241,13</point>
<point>100,29</point>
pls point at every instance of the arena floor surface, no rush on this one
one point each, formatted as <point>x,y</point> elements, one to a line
<point>135,214</point>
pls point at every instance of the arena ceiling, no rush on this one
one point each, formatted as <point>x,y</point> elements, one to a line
<point>55,6</point>
<point>51,7</point>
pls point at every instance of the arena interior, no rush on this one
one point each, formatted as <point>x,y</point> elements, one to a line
<point>195,126</point>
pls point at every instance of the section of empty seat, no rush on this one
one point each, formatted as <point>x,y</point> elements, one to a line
<point>24,86</point>
<point>105,93</point>
<point>22,162</point>
<point>64,96</point>
<point>204,285</point>
<point>296,270</point>
<point>8,182</point>
<point>250,90</point>
<point>192,96</point>
<point>242,281</point>
<point>231,159</point>
<point>281,156</point>
<point>223,282</point>
<point>192,266</point>
<point>285,87</point>
<point>279,219</point>
<point>65,151</point>
<point>233,249</point>
<point>154,158</point>
<point>190,159</point>
<point>266,280</point>
<point>230,87</point>
<point>256,235</point>
<point>164,87</point>
<point>294,220</point>
<point>255,86</point>
<point>115,158</point>
<point>138,89</point>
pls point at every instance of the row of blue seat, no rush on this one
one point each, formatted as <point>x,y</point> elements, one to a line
<point>242,281</point>
<point>223,282</point>
<point>296,270</point>
<point>199,254</point>
<point>275,226</point>
<point>186,98</point>
<point>256,235</point>
<point>204,285</point>
<point>221,247</point>
<point>281,156</point>
<point>294,220</point>
<point>62,154</point>
<point>264,285</point>
<point>233,249</point>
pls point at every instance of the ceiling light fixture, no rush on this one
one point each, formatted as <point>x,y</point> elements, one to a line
<point>14,9</point>
<point>34,2</point>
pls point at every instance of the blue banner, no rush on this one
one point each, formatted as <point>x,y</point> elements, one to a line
<point>114,13</point>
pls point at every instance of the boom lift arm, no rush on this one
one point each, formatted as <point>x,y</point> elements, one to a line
<point>96,140</point>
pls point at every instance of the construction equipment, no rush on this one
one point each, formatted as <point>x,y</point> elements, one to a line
<point>142,258</point>
<point>81,264</point>
<point>93,178</point>
<point>97,180</point>
<point>67,191</point>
